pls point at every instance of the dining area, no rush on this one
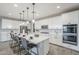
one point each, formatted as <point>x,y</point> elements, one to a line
<point>31,44</point>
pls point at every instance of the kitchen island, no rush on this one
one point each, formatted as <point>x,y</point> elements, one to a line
<point>42,43</point>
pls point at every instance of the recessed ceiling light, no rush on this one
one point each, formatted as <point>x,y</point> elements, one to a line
<point>15,5</point>
<point>58,6</point>
<point>9,14</point>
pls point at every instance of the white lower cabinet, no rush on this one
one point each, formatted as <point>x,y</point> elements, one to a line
<point>42,48</point>
<point>5,36</point>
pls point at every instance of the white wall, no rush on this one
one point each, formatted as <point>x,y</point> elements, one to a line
<point>57,23</point>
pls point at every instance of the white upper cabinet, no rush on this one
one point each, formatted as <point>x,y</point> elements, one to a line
<point>11,24</point>
<point>71,17</point>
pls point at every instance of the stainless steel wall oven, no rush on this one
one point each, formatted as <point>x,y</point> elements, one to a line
<point>70,34</point>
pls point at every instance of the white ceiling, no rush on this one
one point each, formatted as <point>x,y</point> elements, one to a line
<point>41,9</point>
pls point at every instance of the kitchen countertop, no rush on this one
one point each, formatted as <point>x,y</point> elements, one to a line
<point>35,40</point>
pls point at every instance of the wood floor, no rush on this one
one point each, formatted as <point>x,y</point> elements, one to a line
<point>53,50</point>
<point>5,49</point>
<point>59,50</point>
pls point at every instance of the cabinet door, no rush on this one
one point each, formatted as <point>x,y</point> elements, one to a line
<point>46,46</point>
<point>71,17</point>
<point>5,36</point>
<point>41,48</point>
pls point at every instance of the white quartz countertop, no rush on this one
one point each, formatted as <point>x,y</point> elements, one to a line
<point>36,40</point>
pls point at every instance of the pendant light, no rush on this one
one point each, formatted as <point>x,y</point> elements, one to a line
<point>23,17</point>
<point>27,15</point>
<point>33,21</point>
<point>27,12</point>
<point>33,12</point>
<point>20,15</point>
<point>23,14</point>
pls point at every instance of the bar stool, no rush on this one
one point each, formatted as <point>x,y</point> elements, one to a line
<point>11,42</point>
<point>24,44</point>
<point>28,46</point>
